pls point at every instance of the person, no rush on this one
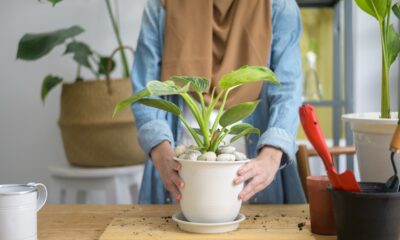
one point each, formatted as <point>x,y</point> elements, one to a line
<point>209,38</point>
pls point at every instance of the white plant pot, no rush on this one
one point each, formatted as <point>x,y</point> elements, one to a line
<point>372,136</point>
<point>209,195</point>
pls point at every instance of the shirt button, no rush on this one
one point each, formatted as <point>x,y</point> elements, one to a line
<point>255,199</point>
<point>168,200</point>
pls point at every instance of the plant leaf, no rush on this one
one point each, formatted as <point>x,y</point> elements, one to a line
<point>131,100</point>
<point>103,65</point>
<point>247,74</point>
<point>376,8</point>
<point>245,132</point>
<point>54,2</point>
<point>81,52</point>
<point>393,44</point>
<point>161,104</point>
<point>49,82</point>
<point>238,128</point>
<point>396,9</point>
<point>35,46</point>
<point>237,113</point>
<point>158,88</point>
<point>198,84</point>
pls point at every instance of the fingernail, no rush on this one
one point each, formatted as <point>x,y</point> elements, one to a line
<point>182,185</point>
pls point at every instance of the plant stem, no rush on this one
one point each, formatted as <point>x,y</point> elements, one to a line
<point>221,110</point>
<point>118,36</point>
<point>385,92</point>
<point>192,132</point>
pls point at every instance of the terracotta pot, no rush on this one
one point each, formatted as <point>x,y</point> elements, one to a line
<point>321,210</point>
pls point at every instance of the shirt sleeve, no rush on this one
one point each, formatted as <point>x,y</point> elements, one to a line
<point>285,61</point>
<point>151,123</point>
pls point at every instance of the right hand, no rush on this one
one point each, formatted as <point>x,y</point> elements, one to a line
<point>162,156</point>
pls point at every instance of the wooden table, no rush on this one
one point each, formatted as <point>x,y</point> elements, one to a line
<point>86,222</point>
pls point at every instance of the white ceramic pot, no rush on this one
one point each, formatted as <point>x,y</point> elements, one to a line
<point>209,195</point>
<point>372,136</point>
<point>18,210</point>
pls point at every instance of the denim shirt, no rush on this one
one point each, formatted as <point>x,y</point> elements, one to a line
<point>276,116</point>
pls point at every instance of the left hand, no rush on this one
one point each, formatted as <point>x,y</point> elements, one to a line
<point>261,170</point>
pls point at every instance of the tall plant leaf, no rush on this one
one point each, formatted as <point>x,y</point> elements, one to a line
<point>396,9</point>
<point>54,2</point>
<point>376,8</point>
<point>237,113</point>
<point>104,65</point>
<point>81,53</point>
<point>245,132</point>
<point>247,74</point>
<point>49,82</point>
<point>161,104</point>
<point>238,128</point>
<point>393,44</point>
<point>158,88</point>
<point>131,100</point>
<point>198,84</point>
<point>35,46</point>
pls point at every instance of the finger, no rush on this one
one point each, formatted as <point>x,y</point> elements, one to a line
<point>246,176</point>
<point>245,168</point>
<point>177,180</point>
<point>173,190</point>
<point>249,187</point>
<point>255,190</point>
<point>176,166</point>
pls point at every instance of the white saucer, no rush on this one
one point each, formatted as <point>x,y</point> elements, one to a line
<point>194,227</point>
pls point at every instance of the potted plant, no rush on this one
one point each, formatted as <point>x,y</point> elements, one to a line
<point>90,137</point>
<point>208,169</point>
<point>373,131</point>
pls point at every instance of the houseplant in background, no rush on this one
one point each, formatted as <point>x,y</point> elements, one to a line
<point>373,131</point>
<point>208,169</point>
<point>91,137</point>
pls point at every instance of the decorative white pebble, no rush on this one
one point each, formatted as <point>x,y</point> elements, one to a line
<point>208,156</point>
<point>179,150</point>
<point>226,149</point>
<point>239,156</point>
<point>226,157</point>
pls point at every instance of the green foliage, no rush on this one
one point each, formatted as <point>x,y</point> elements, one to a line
<point>54,2</point>
<point>81,52</point>
<point>207,139</point>
<point>390,40</point>
<point>35,46</point>
<point>104,65</point>
<point>49,82</point>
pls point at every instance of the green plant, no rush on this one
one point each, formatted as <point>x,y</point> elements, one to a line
<point>390,41</point>
<point>35,46</point>
<point>208,138</point>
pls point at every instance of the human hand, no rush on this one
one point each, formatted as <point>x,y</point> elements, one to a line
<point>261,170</point>
<point>162,156</point>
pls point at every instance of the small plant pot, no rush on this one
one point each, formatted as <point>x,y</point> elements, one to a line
<point>371,214</point>
<point>209,195</point>
<point>321,209</point>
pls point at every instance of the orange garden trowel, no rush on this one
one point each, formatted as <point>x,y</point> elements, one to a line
<point>345,181</point>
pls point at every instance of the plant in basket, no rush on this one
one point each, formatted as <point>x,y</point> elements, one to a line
<point>209,167</point>
<point>88,131</point>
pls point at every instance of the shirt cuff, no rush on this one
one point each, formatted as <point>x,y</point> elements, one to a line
<point>279,138</point>
<point>153,133</point>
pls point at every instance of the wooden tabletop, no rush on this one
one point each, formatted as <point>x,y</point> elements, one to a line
<point>86,222</point>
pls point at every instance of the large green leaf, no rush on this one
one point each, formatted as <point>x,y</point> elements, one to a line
<point>393,44</point>
<point>161,104</point>
<point>376,8</point>
<point>238,128</point>
<point>131,100</point>
<point>35,46</point>
<point>245,132</point>
<point>81,52</point>
<point>158,88</point>
<point>49,82</point>
<point>104,65</point>
<point>198,84</point>
<point>396,9</point>
<point>247,74</point>
<point>237,113</point>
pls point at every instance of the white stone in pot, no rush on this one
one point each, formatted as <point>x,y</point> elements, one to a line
<point>226,157</point>
<point>226,149</point>
<point>208,156</point>
<point>239,156</point>
<point>179,150</point>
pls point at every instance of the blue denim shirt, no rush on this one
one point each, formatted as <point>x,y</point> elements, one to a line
<point>276,116</point>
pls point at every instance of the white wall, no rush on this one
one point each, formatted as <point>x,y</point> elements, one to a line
<point>367,64</point>
<point>29,136</point>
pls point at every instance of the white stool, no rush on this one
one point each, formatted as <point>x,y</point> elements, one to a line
<point>73,184</point>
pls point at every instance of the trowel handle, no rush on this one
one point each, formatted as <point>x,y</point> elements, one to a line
<point>395,143</point>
